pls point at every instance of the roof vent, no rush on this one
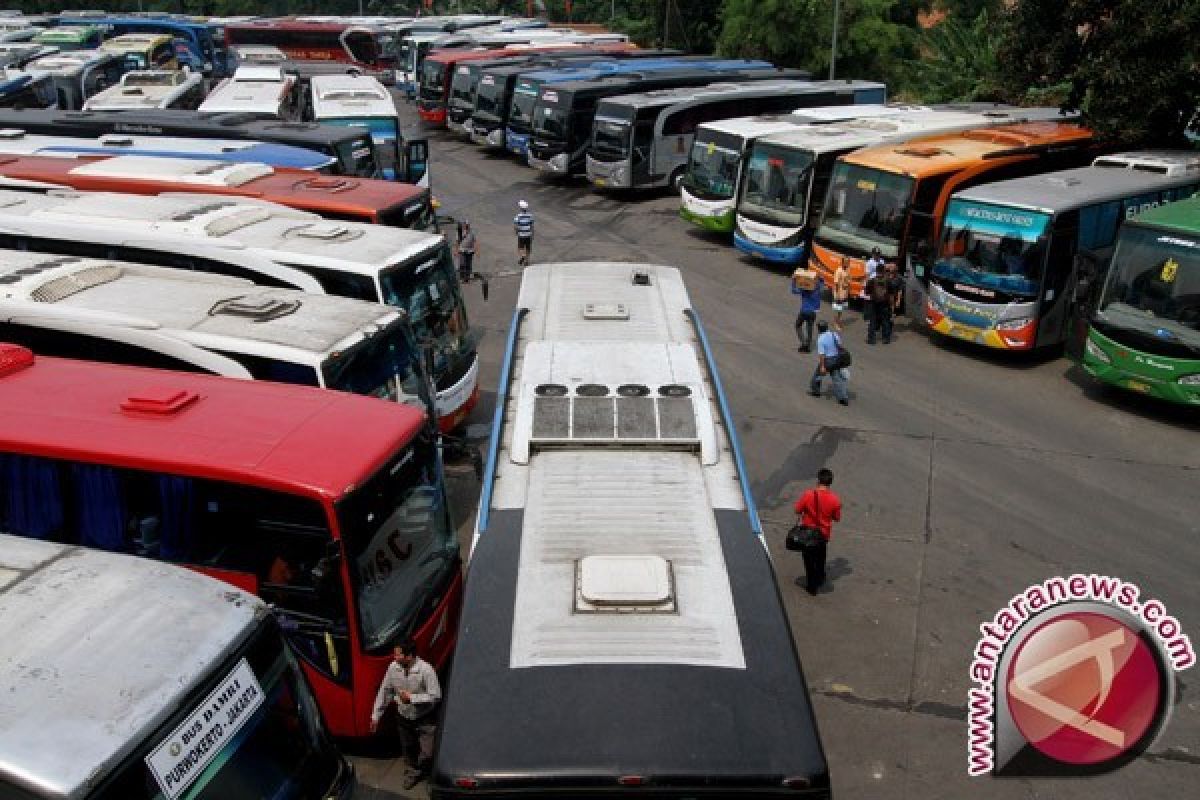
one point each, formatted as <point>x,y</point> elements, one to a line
<point>159,400</point>
<point>199,211</point>
<point>630,584</point>
<point>115,140</point>
<point>326,231</point>
<point>14,358</point>
<point>641,277</point>
<point>62,288</point>
<point>916,150</point>
<point>259,308</point>
<point>605,311</point>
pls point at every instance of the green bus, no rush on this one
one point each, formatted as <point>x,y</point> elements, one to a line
<point>1145,331</point>
<point>83,37</point>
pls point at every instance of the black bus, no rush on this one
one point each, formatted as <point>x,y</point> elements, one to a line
<point>352,148</point>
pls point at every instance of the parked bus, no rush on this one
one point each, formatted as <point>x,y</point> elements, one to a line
<point>195,34</point>
<point>19,90</point>
<point>14,141</point>
<point>1145,330</point>
<point>79,74</point>
<point>144,50</point>
<point>18,54</point>
<point>82,37</point>
<point>786,175</point>
<point>126,313</point>
<point>893,196</point>
<point>257,90</point>
<point>273,246</point>
<point>351,152</point>
<point>142,90</point>
<point>328,505</point>
<point>362,102</point>
<point>651,574</point>
<point>644,140</point>
<point>1018,258</point>
<point>141,662</point>
<point>316,41</point>
<point>399,205</point>
<point>536,90</point>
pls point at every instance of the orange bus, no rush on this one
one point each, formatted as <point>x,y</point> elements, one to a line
<point>340,197</point>
<point>893,197</point>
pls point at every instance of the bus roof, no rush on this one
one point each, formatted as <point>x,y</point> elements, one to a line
<point>346,95</point>
<point>1182,216</point>
<point>69,62</point>
<point>126,639</point>
<point>665,97</point>
<point>754,127</point>
<point>290,438</point>
<point>257,88</point>
<point>1055,192</point>
<point>201,309</point>
<point>72,34</point>
<point>230,222</point>
<point>134,42</point>
<point>143,89</point>
<point>934,155</point>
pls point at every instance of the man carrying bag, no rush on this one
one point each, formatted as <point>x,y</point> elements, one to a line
<point>817,509</point>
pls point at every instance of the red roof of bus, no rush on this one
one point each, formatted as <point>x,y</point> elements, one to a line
<point>291,438</point>
<point>296,188</point>
<point>453,55</point>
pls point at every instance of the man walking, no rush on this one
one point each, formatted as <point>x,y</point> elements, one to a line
<point>810,304</point>
<point>523,225</point>
<point>879,307</point>
<point>829,346</point>
<point>818,508</point>
<point>405,702</point>
<point>465,247</point>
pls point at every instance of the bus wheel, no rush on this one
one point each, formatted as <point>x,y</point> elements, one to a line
<point>676,179</point>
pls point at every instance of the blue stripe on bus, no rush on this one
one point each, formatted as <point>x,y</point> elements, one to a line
<point>778,255</point>
<point>489,470</point>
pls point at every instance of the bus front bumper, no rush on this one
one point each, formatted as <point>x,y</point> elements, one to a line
<point>608,174</point>
<point>1103,359</point>
<point>557,164</point>
<point>767,252</point>
<point>715,216</point>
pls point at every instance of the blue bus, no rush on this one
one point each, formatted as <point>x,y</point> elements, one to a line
<point>528,88</point>
<point>197,35</point>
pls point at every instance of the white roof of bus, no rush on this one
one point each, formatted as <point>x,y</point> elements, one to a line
<point>751,127</point>
<point>143,89</point>
<point>122,662</point>
<point>276,231</point>
<point>350,95</point>
<point>14,141</point>
<point>247,91</point>
<point>66,63</point>
<point>185,305</point>
<point>715,89</point>
<point>190,171</point>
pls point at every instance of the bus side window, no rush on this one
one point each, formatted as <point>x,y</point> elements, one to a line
<point>343,284</point>
<point>269,369</point>
<point>31,496</point>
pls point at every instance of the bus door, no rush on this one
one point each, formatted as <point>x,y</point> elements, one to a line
<point>414,162</point>
<point>1060,290</point>
<point>918,255</point>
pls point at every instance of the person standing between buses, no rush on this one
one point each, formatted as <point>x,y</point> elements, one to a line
<point>465,246</point>
<point>818,508</point>
<point>523,225</point>
<point>406,703</point>
<point>841,290</point>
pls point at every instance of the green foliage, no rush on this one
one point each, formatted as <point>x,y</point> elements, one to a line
<point>957,62</point>
<point>1130,66</point>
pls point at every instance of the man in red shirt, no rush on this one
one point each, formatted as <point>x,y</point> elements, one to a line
<point>818,508</point>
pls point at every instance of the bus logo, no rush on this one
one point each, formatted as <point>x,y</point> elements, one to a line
<point>1170,267</point>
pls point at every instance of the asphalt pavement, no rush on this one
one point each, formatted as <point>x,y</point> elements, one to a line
<point>966,476</point>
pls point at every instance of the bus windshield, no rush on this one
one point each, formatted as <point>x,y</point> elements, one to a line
<point>359,157</point>
<point>713,170</point>
<point>462,87</point>
<point>432,80</point>
<point>521,111</point>
<point>994,247</point>
<point>866,208</point>
<point>551,121</point>
<point>611,136</point>
<point>487,98</point>
<point>279,752</point>
<point>776,186</point>
<point>428,290</point>
<point>1153,286</point>
<point>376,366</point>
<point>400,543</point>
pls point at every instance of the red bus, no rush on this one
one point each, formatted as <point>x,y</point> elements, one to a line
<point>305,40</point>
<point>437,70</point>
<point>329,505</point>
<point>342,197</point>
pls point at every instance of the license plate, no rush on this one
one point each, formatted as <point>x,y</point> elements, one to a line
<point>1137,386</point>
<point>600,182</point>
<point>963,332</point>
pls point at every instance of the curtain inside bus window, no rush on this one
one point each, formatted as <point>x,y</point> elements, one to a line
<point>176,532</point>
<point>32,496</point>
<point>101,506</point>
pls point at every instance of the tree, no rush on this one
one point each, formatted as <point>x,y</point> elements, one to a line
<point>957,62</point>
<point>1130,66</point>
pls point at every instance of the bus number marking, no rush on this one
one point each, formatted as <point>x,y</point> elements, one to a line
<point>379,568</point>
<point>181,757</point>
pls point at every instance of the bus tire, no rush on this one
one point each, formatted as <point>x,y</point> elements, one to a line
<point>676,179</point>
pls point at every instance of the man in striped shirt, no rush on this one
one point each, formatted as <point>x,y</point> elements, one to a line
<point>523,225</point>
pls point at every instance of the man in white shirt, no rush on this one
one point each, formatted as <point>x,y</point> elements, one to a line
<point>408,697</point>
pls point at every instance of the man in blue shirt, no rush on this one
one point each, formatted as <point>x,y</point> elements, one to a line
<point>828,344</point>
<point>810,304</point>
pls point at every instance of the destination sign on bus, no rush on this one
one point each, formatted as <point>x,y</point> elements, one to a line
<point>1006,217</point>
<point>181,758</point>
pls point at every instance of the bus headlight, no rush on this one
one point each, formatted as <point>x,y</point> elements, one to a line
<point>1095,351</point>
<point>936,301</point>
<point>1013,324</point>
<point>496,138</point>
<point>559,162</point>
<point>1187,380</point>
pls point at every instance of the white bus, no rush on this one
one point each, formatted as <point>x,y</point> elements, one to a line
<point>156,88</point>
<point>618,550</point>
<point>79,74</point>
<point>787,174</point>
<point>263,90</point>
<point>708,192</point>
<point>125,313</point>
<point>359,101</point>
<point>275,246</point>
<point>643,140</point>
<point>117,663</point>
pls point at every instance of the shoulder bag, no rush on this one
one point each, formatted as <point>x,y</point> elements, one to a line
<point>841,360</point>
<point>802,537</point>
